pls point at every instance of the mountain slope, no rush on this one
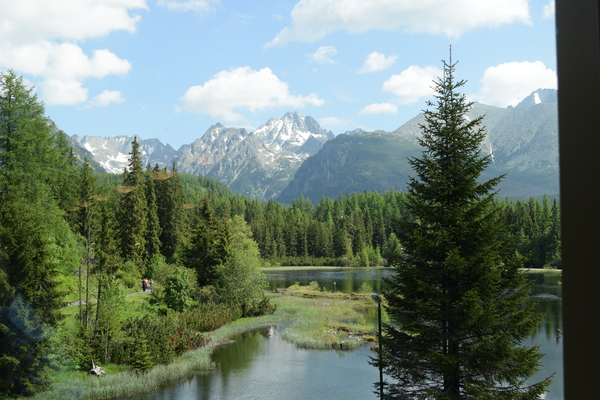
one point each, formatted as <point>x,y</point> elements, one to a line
<point>354,163</point>
<point>293,155</point>
<point>523,143</point>
<point>112,153</point>
<point>260,163</point>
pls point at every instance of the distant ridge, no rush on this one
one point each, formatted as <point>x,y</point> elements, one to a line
<point>293,155</point>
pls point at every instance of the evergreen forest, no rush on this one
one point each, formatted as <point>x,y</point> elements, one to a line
<point>71,236</point>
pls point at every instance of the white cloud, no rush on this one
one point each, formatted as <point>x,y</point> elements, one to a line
<point>412,84</point>
<point>380,108</point>
<point>242,89</point>
<point>323,53</point>
<point>189,5</point>
<point>63,92</point>
<point>314,19</point>
<point>509,83</point>
<point>105,98</point>
<point>377,62</point>
<point>40,37</point>
<point>549,10</point>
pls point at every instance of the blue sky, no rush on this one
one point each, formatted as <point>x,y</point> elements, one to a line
<point>169,69</point>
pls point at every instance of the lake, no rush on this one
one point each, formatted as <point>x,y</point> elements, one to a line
<point>261,365</point>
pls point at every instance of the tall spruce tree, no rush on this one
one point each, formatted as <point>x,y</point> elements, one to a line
<point>171,213</point>
<point>457,301</point>
<point>153,231</point>
<point>133,210</point>
<point>209,246</point>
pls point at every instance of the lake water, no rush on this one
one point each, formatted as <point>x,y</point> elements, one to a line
<point>261,365</point>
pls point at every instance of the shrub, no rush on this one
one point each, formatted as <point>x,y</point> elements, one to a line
<point>209,316</point>
<point>177,291</point>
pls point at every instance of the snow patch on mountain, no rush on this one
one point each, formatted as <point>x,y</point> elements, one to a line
<point>112,153</point>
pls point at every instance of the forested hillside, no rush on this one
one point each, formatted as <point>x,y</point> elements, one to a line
<point>75,242</point>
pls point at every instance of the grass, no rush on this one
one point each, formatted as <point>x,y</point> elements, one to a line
<point>317,320</point>
<point>328,320</point>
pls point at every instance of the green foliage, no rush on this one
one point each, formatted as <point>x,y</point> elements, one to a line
<point>128,274</point>
<point>367,257</point>
<point>108,318</point>
<point>209,316</point>
<point>209,245</point>
<point>36,244</point>
<point>24,349</point>
<point>142,359</point>
<point>133,211</point>
<point>172,216</point>
<point>366,288</point>
<point>177,291</point>
<point>153,231</point>
<point>155,264</point>
<point>458,301</point>
<point>392,250</point>
<point>169,335</point>
<point>64,232</point>
<point>240,281</point>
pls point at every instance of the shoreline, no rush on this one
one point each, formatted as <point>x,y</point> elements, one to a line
<point>292,308</point>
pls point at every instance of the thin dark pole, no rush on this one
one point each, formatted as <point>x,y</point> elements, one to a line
<point>380,354</point>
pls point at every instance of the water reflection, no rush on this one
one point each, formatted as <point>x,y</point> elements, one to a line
<point>261,365</point>
<point>547,294</point>
<point>341,279</point>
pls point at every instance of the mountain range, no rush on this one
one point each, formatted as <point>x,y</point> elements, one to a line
<point>287,157</point>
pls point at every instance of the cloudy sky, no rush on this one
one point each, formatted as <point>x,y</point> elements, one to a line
<point>169,69</point>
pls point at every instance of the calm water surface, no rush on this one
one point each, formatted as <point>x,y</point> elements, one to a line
<point>261,365</point>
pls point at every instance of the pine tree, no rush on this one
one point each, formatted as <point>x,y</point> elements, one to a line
<point>171,213</point>
<point>209,245</point>
<point>457,301</point>
<point>153,231</point>
<point>142,359</point>
<point>133,210</point>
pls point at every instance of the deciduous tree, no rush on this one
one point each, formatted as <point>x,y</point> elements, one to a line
<point>35,241</point>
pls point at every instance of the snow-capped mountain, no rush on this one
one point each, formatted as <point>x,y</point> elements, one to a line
<point>260,163</point>
<point>112,153</point>
<point>522,142</point>
<point>286,157</point>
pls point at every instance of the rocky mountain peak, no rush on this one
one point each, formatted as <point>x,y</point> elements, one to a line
<point>291,132</point>
<point>112,153</point>
<point>540,96</point>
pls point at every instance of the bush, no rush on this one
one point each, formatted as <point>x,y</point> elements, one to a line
<point>128,274</point>
<point>263,307</point>
<point>209,316</point>
<point>165,337</point>
<point>155,265</point>
<point>177,291</point>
